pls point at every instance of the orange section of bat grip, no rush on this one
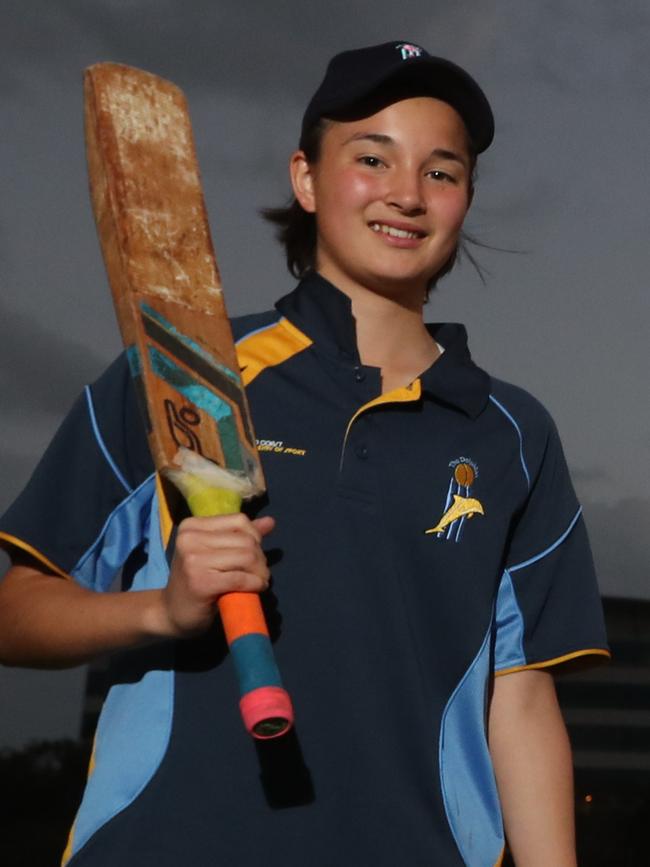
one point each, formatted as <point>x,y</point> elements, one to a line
<point>241,613</point>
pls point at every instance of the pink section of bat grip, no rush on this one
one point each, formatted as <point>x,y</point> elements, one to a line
<point>267,712</point>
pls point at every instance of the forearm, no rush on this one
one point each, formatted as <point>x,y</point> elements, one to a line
<point>50,622</point>
<point>532,762</point>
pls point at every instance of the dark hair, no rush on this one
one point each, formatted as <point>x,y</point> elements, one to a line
<point>296,228</point>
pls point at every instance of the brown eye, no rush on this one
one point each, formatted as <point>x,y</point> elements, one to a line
<point>372,162</point>
<point>439,175</point>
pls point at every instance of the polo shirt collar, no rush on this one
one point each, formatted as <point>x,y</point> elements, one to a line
<point>454,378</point>
<point>324,314</point>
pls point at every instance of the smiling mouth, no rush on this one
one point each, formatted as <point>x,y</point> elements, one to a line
<point>394,232</point>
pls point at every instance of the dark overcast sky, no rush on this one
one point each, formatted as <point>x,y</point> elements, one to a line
<point>566,185</point>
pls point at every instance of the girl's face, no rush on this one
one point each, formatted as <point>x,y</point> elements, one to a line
<point>389,193</point>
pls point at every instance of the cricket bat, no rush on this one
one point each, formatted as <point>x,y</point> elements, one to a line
<point>155,239</point>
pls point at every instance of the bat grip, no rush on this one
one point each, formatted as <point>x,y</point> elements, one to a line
<point>264,704</point>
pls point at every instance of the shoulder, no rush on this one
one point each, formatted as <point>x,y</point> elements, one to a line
<point>524,408</point>
<point>265,341</point>
<point>117,420</point>
<point>246,326</point>
<point>529,420</point>
<point>115,384</point>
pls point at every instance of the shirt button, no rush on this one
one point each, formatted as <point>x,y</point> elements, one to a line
<point>359,374</point>
<point>361,452</point>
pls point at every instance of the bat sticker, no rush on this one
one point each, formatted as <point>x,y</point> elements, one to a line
<point>181,421</point>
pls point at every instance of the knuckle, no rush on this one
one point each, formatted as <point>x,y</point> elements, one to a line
<point>181,540</point>
<point>190,559</point>
<point>185,539</point>
<point>188,525</point>
<point>240,581</point>
<point>249,558</point>
<point>248,527</point>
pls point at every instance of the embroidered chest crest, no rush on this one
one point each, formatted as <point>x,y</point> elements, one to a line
<point>460,506</point>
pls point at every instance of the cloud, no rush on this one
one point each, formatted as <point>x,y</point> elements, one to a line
<point>270,47</point>
<point>621,545</point>
<point>16,469</point>
<point>203,42</point>
<point>15,475</point>
<point>40,705</point>
<point>39,371</point>
<point>600,55</point>
<point>589,477</point>
<point>257,48</point>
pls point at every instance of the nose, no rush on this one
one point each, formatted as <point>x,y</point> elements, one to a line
<point>405,191</point>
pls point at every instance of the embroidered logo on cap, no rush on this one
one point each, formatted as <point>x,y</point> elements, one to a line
<point>459,506</point>
<point>409,51</point>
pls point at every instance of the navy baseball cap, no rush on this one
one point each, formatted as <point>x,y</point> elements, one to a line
<point>360,82</point>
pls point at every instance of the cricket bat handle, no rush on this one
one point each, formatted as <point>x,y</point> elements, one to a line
<point>264,704</point>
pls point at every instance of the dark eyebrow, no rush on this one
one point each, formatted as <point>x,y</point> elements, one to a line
<point>443,154</point>
<point>377,137</point>
<point>381,138</point>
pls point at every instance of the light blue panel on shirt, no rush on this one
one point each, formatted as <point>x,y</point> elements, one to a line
<point>122,532</point>
<point>466,775</point>
<point>509,645</point>
<point>135,724</point>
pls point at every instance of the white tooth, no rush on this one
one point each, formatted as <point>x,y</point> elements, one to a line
<point>390,230</point>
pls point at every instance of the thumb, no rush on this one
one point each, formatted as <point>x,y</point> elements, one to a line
<point>264,524</point>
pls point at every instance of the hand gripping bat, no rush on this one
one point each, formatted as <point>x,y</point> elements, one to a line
<point>155,239</point>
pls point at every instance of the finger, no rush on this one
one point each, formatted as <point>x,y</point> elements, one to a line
<point>196,563</point>
<point>220,526</point>
<point>215,582</point>
<point>212,545</point>
<point>250,560</point>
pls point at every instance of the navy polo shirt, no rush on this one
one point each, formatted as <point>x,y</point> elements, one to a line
<point>426,540</point>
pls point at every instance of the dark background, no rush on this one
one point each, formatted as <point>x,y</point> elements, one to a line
<point>566,186</point>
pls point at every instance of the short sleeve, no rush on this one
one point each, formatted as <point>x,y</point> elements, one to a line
<point>85,508</point>
<point>548,605</point>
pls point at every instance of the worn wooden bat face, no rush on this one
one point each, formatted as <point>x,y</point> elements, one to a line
<point>155,238</point>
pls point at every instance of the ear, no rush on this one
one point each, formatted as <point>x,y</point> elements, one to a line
<point>302,181</point>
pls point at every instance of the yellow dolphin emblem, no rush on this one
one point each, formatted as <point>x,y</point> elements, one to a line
<point>462,506</point>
